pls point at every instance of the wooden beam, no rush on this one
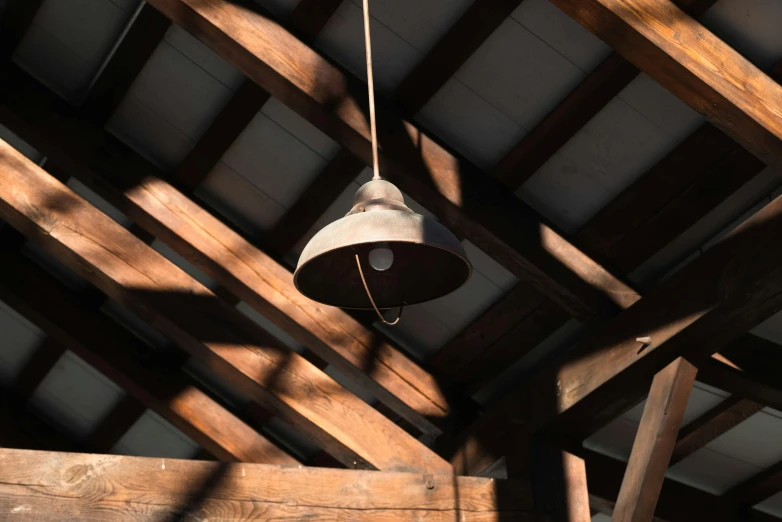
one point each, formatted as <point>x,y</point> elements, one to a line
<point>142,38</point>
<point>559,483</point>
<point>132,273</point>
<point>726,415</point>
<point>134,186</point>
<point>691,314</point>
<point>15,20</point>
<point>113,488</point>
<point>654,442</point>
<point>736,97</point>
<point>117,354</point>
<point>415,91</point>
<point>600,87</point>
<point>478,209</point>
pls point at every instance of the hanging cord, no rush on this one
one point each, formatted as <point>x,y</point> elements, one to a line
<point>366,287</point>
<point>371,84</point>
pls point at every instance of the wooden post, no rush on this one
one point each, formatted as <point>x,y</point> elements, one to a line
<point>654,442</point>
<point>559,484</point>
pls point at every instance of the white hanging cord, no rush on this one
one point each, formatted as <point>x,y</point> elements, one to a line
<point>371,84</point>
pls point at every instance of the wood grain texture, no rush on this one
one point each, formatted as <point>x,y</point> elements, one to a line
<point>45,486</point>
<point>477,208</point>
<point>120,175</point>
<point>654,442</point>
<point>730,413</point>
<point>118,355</point>
<point>138,44</point>
<point>234,347</point>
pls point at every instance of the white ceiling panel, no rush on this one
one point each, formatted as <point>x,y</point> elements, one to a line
<point>772,505</point>
<point>420,24</point>
<point>600,517</point>
<point>615,439</point>
<point>96,201</point>
<point>519,74</point>
<point>702,399</point>
<point>756,441</point>
<point>350,384</point>
<point>563,194</point>
<point>420,333</point>
<point>270,327</point>
<point>471,125</point>
<point>68,41</point>
<point>303,130</point>
<point>280,8</point>
<point>153,436</point>
<point>749,26</point>
<point>19,339</point>
<point>661,107</point>
<point>561,32</point>
<point>274,160</point>
<point>711,471</point>
<point>239,200</point>
<point>184,84</point>
<point>490,268</point>
<point>75,395</point>
<point>343,40</point>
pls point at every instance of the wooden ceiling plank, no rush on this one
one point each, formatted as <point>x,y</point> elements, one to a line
<point>142,38</point>
<point>17,16</point>
<point>689,314</point>
<point>125,360</point>
<point>654,442</point>
<point>600,87</point>
<point>477,208</point>
<point>112,170</point>
<point>726,415</point>
<point>119,486</point>
<point>132,273</point>
<point>468,33</point>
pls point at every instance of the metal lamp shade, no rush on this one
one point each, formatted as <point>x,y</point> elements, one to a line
<point>429,261</point>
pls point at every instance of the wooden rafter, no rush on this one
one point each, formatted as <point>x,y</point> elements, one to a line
<point>654,443</point>
<point>37,368</point>
<point>477,208</point>
<point>688,315</point>
<point>152,287</point>
<point>109,488</point>
<point>243,269</point>
<point>117,354</point>
<point>116,424</point>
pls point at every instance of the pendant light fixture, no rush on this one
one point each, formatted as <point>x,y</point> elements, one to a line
<point>381,255</point>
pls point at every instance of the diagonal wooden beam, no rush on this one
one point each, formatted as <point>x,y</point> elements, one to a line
<point>120,175</point>
<point>116,486</point>
<point>479,209</point>
<point>581,105</point>
<point>691,314</point>
<point>726,415</point>
<point>15,20</point>
<point>654,442</point>
<point>142,38</point>
<point>132,273</point>
<point>423,82</point>
<point>122,358</point>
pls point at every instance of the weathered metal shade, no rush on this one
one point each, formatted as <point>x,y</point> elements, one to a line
<point>428,260</point>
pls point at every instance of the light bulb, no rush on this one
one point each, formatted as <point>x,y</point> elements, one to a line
<point>381,258</point>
